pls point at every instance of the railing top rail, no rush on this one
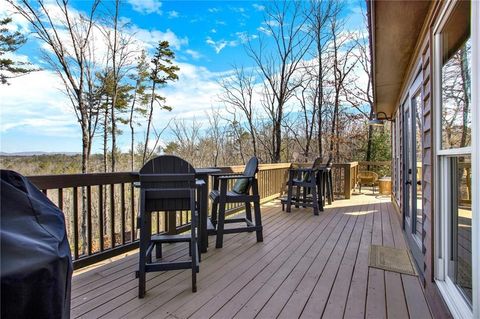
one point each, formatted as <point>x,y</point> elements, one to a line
<point>91,179</point>
<point>374,163</point>
<point>79,180</point>
<point>348,164</point>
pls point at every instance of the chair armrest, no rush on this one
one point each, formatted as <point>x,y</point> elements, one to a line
<point>302,170</point>
<point>219,174</point>
<point>233,177</point>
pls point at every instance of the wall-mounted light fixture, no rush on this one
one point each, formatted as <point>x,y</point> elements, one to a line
<point>378,120</point>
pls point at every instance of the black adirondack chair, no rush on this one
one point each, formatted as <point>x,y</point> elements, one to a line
<point>305,180</point>
<point>245,191</point>
<point>167,184</point>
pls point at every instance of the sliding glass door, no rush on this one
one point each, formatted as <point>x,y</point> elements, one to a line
<point>412,159</point>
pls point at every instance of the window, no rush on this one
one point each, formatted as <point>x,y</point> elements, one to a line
<point>455,176</point>
<point>456,80</point>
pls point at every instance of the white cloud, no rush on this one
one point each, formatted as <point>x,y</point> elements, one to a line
<point>244,37</point>
<point>258,7</point>
<point>173,14</point>
<point>35,101</point>
<point>146,6</point>
<point>213,10</point>
<point>152,37</point>
<point>219,45</point>
<point>238,9</point>
<point>194,54</point>
<point>213,30</point>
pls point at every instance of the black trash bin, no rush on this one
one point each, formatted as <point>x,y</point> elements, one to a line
<point>36,264</point>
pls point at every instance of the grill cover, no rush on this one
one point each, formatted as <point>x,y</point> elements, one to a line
<point>36,265</point>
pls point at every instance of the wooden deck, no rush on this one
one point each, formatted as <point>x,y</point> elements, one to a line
<point>308,266</point>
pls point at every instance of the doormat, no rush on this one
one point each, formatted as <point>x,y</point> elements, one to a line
<point>391,259</point>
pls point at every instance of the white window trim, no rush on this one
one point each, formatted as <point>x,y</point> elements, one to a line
<point>457,305</point>
<point>476,154</point>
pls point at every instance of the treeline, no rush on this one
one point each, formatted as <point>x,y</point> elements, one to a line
<point>308,94</point>
<point>108,75</point>
<point>306,91</point>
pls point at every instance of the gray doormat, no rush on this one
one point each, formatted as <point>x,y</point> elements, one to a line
<point>391,259</point>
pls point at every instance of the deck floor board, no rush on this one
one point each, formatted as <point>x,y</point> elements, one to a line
<point>308,266</point>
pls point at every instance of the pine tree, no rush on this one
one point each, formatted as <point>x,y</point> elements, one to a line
<point>11,42</point>
<point>162,72</point>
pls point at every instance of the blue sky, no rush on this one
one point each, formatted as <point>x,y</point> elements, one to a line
<point>207,36</point>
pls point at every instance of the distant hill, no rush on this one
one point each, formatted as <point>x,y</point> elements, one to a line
<point>38,153</point>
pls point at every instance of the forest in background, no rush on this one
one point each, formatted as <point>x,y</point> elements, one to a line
<point>308,94</point>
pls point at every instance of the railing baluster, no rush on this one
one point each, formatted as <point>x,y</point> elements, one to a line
<point>60,199</point>
<point>122,187</point>
<point>89,220</point>
<point>100,217</point>
<point>75,223</point>
<point>132,214</point>
<point>112,215</point>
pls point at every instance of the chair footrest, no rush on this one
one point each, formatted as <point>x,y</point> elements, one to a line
<point>171,238</point>
<point>212,230</point>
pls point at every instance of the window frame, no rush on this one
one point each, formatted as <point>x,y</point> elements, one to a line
<point>458,306</point>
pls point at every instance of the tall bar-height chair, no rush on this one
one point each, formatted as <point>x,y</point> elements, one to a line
<point>167,184</point>
<point>327,181</point>
<point>305,180</point>
<point>245,190</point>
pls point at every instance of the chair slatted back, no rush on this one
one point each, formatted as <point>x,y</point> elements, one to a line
<point>330,162</point>
<point>242,186</point>
<point>317,163</point>
<point>167,182</point>
<point>251,168</point>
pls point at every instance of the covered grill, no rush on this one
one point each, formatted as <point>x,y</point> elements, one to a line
<point>36,265</point>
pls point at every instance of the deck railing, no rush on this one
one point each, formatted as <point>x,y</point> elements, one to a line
<point>382,168</point>
<point>344,177</point>
<point>101,208</point>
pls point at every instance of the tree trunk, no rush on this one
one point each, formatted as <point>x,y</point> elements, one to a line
<point>465,86</point>
<point>132,133</point>
<point>149,123</point>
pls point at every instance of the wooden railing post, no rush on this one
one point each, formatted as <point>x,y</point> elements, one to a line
<point>347,180</point>
<point>171,226</point>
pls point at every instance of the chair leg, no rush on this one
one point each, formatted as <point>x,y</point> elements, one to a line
<point>330,178</point>
<point>248,212</point>
<point>220,225</point>
<point>158,250</point>
<point>193,254</point>
<point>315,200</point>
<point>297,196</point>
<point>289,197</point>
<point>328,190</point>
<point>321,193</point>
<point>258,221</point>
<point>214,213</point>
<point>304,199</point>
<point>144,240</point>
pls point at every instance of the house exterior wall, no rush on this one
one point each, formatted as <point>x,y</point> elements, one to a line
<point>422,56</point>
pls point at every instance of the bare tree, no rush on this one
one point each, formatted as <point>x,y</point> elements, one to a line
<point>343,63</point>
<point>318,17</point>
<point>121,48</point>
<point>277,56</point>
<point>67,36</point>
<point>238,92</point>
